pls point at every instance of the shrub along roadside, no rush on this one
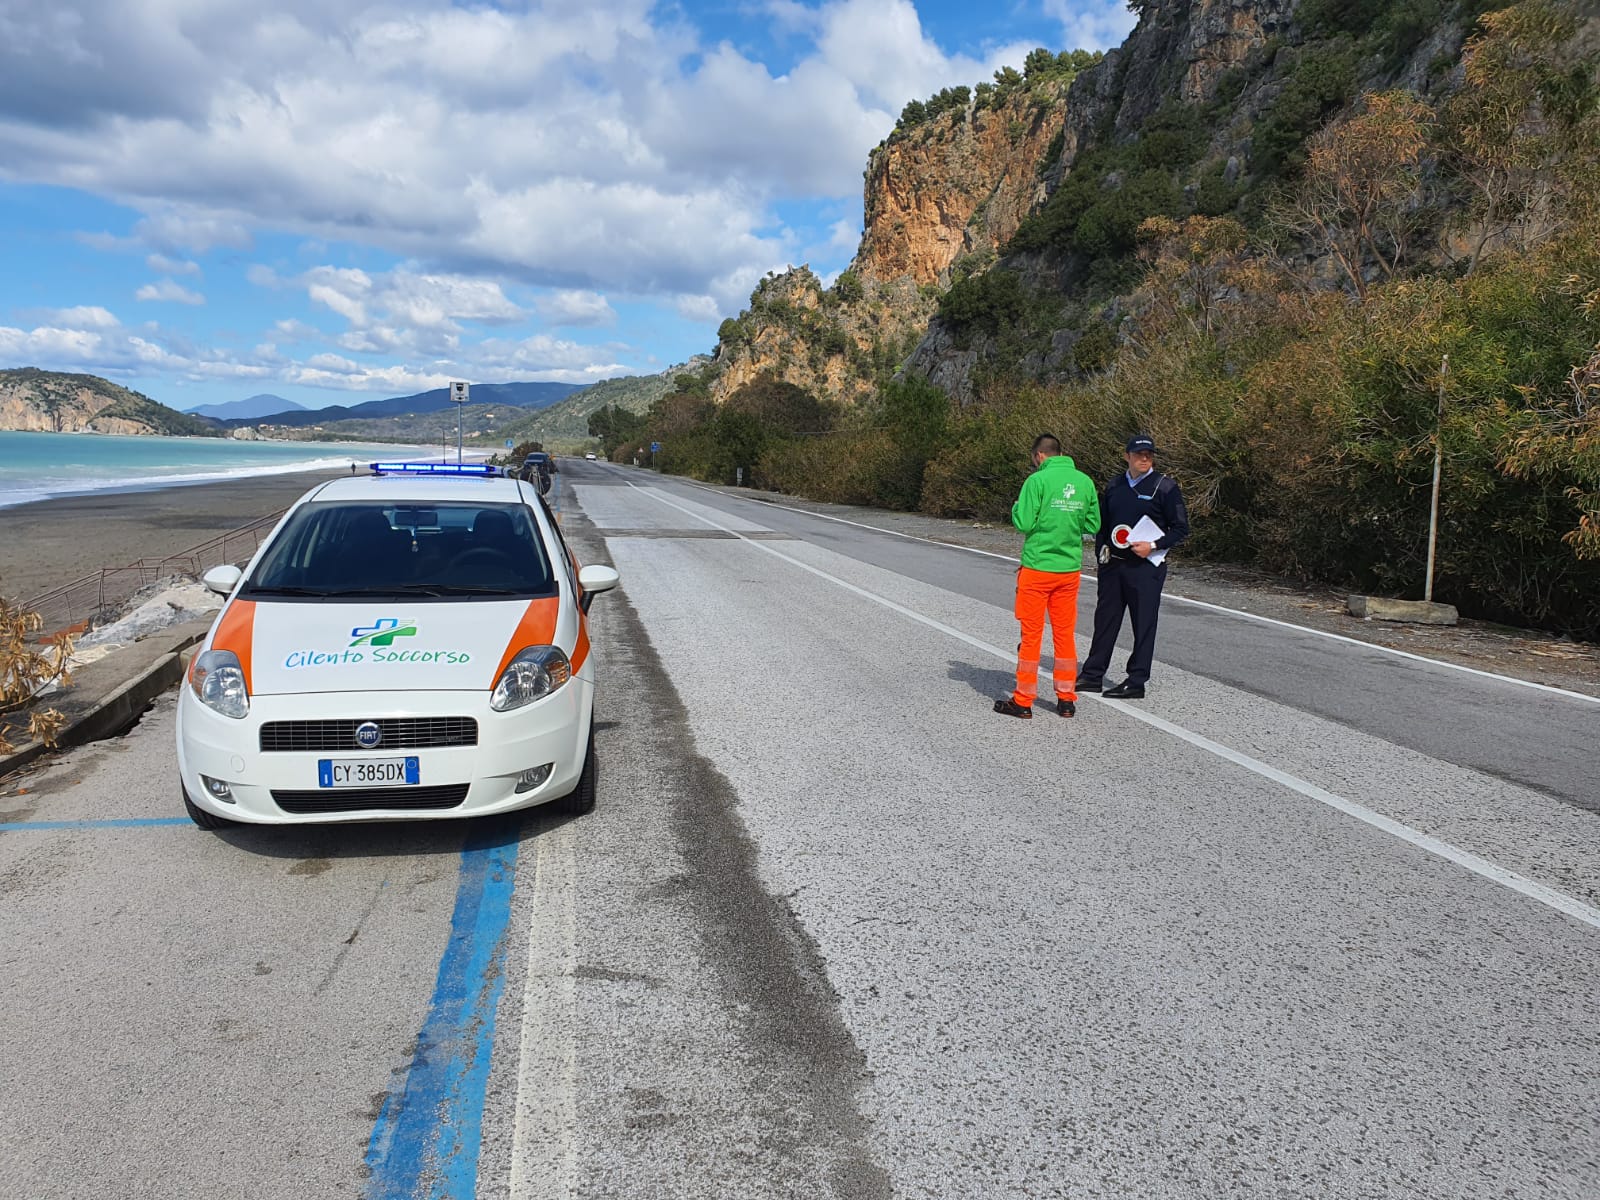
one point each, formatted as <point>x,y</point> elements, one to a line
<point>1300,423</point>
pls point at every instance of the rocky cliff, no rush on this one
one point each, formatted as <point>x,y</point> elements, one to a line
<point>49,401</point>
<point>940,199</point>
<point>1042,182</point>
<point>958,186</point>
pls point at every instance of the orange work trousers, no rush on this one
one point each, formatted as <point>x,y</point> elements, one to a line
<point>1039,593</point>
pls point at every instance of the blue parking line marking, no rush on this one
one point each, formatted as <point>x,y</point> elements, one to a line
<point>110,823</point>
<point>428,1134</point>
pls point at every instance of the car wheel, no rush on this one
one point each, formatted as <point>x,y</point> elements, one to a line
<point>199,815</point>
<point>581,798</point>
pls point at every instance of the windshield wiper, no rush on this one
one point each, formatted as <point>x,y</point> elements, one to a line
<point>259,590</point>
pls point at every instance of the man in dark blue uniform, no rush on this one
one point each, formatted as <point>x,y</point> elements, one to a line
<point>1128,580</point>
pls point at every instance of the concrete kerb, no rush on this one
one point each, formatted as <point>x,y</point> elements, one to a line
<point>108,695</point>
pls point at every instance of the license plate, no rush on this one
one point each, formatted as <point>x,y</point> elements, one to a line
<point>367,772</point>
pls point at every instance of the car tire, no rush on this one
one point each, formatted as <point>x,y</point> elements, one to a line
<point>581,798</point>
<point>199,815</point>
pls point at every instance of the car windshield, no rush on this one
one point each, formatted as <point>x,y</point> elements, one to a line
<point>443,550</point>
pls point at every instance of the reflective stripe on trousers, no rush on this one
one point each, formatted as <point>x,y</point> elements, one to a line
<point>1040,594</point>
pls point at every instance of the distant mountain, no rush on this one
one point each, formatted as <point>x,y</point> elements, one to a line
<point>567,421</point>
<point>56,402</point>
<point>243,410</point>
<point>516,395</point>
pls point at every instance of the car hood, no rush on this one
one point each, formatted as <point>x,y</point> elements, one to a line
<point>288,647</point>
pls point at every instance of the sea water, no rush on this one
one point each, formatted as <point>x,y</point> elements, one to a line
<point>37,466</point>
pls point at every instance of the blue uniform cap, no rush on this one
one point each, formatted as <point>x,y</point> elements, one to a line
<point>1141,441</point>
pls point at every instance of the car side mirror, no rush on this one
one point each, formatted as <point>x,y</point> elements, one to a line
<point>222,580</point>
<point>596,579</point>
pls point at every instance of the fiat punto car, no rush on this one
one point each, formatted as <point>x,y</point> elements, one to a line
<point>407,644</point>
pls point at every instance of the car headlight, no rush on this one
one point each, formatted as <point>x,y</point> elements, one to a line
<point>218,683</point>
<point>533,674</point>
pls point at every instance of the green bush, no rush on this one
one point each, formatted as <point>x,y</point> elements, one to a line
<point>1172,137</point>
<point>1109,228</point>
<point>1322,81</point>
<point>1214,196</point>
<point>1096,349</point>
<point>985,303</point>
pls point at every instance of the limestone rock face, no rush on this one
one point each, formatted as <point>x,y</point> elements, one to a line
<point>819,340</point>
<point>958,185</point>
<point>1179,50</point>
<point>947,193</point>
<point>57,409</point>
<point>942,200</point>
<point>55,402</point>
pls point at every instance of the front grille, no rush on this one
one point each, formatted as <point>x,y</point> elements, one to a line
<point>399,733</point>
<point>334,800</point>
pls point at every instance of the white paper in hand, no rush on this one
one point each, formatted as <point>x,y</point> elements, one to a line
<point>1148,531</point>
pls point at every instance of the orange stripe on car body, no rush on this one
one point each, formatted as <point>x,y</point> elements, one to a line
<point>580,649</point>
<point>236,632</point>
<point>537,628</point>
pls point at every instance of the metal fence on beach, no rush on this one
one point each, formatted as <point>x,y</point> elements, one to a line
<point>84,602</point>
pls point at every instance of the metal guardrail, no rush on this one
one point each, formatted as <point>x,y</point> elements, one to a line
<point>79,605</point>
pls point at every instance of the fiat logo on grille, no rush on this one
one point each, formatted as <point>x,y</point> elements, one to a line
<point>368,735</point>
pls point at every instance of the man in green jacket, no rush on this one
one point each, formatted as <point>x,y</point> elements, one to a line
<point>1058,506</point>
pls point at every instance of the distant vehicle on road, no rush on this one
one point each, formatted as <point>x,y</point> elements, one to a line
<point>409,644</point>
<point>591,457</point>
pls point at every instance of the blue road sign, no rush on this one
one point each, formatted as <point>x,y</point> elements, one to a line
<point>508,443</point>
<point>655,447</point>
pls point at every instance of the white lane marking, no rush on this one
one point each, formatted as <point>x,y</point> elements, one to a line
<point>544,1136</point>
<point>1232,612</point>
<point>1521,884</point>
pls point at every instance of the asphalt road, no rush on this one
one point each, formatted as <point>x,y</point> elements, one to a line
<point>1321,925</point>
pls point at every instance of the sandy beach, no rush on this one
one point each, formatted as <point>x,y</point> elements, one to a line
<point>52,542</point>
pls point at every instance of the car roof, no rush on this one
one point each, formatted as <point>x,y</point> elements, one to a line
<point>419,489</point>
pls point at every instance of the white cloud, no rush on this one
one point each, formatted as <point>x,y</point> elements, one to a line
<point>107,242</point>
<point>405,312</point>
<point>1091,24</point>
<point>47,344</point>
<point>113,351</point>
<point>623,153</point>
<point>180,228</point>
<point>163,265</point>
<point>704,309</point>
<point>575,308</point>
<point>170,291</point>
<point>539,151</point>
<point>84,316</point>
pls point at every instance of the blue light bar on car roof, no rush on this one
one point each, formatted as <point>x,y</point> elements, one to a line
<point>455,470</point>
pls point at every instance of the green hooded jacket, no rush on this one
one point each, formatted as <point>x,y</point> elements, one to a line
<point>1058,506</point>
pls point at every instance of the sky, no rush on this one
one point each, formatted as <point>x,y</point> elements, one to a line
<point>341,200</point>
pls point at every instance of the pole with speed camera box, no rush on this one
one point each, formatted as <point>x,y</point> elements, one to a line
<point>458,394</point>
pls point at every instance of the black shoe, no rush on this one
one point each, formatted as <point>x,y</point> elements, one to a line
<point>1087,685</point>
<point>1009,707</point>
<point>1124,691</point>
<point>1066,708</point>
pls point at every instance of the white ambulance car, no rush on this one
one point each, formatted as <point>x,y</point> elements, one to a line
<point>408,644</point>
